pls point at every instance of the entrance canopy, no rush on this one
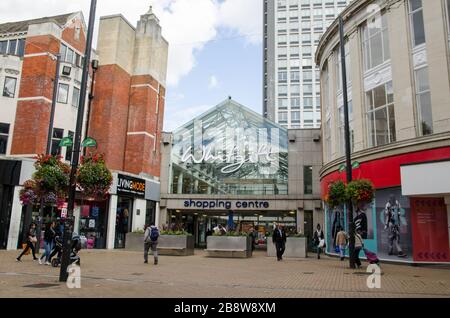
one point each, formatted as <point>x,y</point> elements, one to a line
<point>230,150</point>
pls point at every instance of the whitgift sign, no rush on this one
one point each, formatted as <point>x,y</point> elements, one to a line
<point>226,205</point>
<point>233,148</point>
<point>130,185</point>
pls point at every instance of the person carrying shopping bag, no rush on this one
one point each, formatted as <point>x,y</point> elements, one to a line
<point>319,240</point>
<point>30,241</point>
<point>341,242</point>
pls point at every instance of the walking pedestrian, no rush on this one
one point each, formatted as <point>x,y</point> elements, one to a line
<point>151,236</point>
<point>279,239</point>
<point>359,245</point>
<point>341,241</point>
<point>319,240</point>
<point>30,241</point>
<point>49,241</point>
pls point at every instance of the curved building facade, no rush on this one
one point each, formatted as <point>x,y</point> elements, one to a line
<point>397,56</point>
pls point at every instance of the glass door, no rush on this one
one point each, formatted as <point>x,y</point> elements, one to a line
<point>124,220</point>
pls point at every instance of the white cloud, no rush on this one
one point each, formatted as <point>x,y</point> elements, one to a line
<point>243,17</point>
<point>187,24</point>
<point>213,82</point>
<point>176,117</point>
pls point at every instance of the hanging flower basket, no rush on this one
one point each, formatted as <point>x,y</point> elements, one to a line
<point>336,194</point>
<point>49,183</point>
<point>360,192</point>
<point>94,178</point>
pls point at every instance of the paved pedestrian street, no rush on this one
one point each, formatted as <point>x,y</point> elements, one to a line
<point>123,274</point>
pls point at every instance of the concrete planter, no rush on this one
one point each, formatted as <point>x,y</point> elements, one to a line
<point>176,245</point>
<point>171,245</point>
<point>296,247</point>
<point>229,246</point>
<point>134,242</point>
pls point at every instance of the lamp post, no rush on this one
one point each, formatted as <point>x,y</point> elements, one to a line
<point>68,225</point>
<point>347,142</point>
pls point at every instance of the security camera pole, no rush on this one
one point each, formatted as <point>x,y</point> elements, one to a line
<point>69,223</point>
<point>347,143</point>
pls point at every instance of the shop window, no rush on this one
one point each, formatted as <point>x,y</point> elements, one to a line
<point>63,93</point>
<point>9,89</point>
<point>307,180</point>
<point>56,139</point>
<point>4,134</point>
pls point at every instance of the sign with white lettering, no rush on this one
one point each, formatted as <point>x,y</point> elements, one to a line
<point>130,185</point>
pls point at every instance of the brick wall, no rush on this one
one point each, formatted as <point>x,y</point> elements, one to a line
<point>109,113</point>
<point>33,116</point>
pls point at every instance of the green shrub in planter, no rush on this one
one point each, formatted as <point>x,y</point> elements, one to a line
<point>177,233</point>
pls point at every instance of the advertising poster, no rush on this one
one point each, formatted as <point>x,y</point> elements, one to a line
<point>430,230</point>
<point>393,225</point>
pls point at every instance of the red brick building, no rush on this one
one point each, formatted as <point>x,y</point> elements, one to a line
<point>126,115</point>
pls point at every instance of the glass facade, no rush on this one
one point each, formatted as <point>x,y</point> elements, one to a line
<point>230,150</point>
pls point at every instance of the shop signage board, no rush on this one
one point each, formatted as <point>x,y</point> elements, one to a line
<point>130,186</point>
<point>226,204</point>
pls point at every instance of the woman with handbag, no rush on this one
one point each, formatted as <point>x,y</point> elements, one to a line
<point>31,240</point>
<point>319,240</point>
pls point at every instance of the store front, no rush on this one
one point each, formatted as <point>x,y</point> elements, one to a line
<point>231,166</point>
<point>133,203</point>
<point>201,222</point>
<point>408,219</point>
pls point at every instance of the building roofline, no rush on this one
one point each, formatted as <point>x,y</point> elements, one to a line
<point>118,16</point>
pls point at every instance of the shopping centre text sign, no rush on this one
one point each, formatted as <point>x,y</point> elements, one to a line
<point>226,204</point>
<point>234,147</point>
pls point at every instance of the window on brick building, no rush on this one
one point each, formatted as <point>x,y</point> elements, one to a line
<point>75,97</point>
<point>63,93</point>
<point>12,47</point>
<point>63,52</point>
<point>70,56</point>
<point>69,149</point>
<point>21,48</point>
<point>4,134</point>
<point>56,139</point>
<point>3,47</point>
<point>9,88</point>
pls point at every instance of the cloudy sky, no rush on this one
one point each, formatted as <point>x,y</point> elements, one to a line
<point>215,46</point>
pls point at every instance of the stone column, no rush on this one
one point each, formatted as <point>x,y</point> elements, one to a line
<point>14,226</point>
<point>180,184</point>
<point>111,231</point>
<point>158,220</point>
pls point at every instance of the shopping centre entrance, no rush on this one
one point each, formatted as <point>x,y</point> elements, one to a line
<point>202,223</point>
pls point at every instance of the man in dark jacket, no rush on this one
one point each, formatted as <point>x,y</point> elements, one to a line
<point>279,239</point>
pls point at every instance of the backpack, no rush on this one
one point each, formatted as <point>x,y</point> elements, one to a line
<point>154,234</point>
